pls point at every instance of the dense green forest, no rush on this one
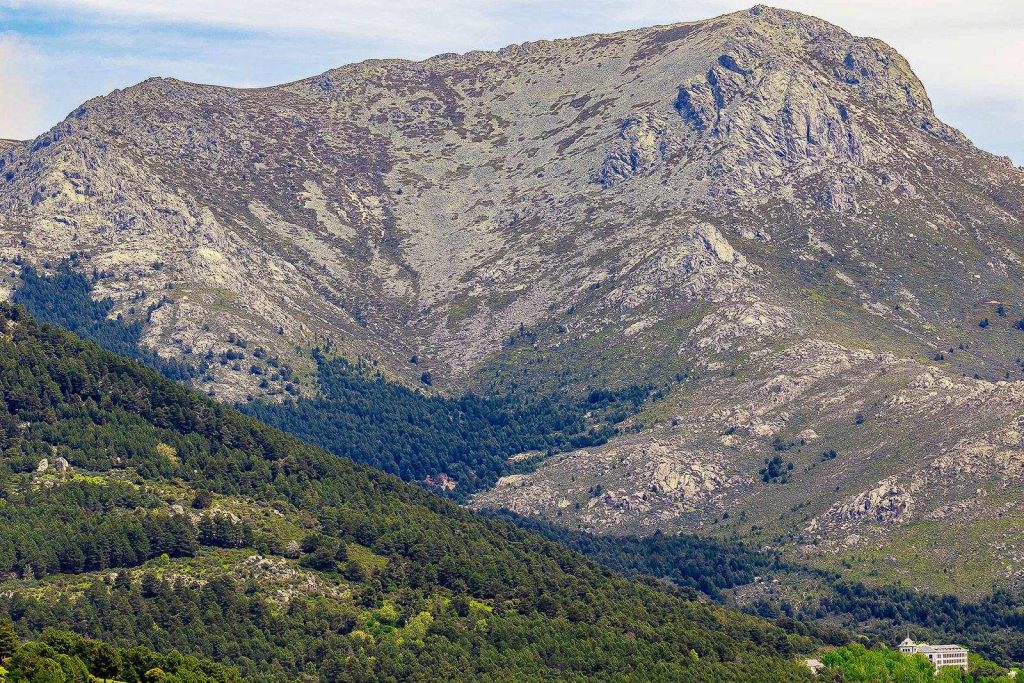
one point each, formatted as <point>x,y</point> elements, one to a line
<point>362,415</point>
<point>701,564</point>
<point>65,657</point>
<point>413,435</point>
<point>405,584</point>
<point>993,625</point>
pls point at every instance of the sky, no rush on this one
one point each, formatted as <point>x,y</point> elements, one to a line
<point>55,54</point>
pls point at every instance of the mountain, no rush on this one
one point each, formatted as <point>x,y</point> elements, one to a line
<point>138,512</point>
<point>759,216</point>
<point>619,186</point>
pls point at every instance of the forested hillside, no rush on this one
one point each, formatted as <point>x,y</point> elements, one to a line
<point>66,657</point>
<point>63,298</point>
<point>465,443</point>
<point>417,436</point>
<point>138,512</point>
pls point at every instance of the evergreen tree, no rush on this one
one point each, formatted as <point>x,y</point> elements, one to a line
<point>8,639</point>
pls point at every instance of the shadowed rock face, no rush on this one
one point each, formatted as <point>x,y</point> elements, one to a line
<point>694,200</point>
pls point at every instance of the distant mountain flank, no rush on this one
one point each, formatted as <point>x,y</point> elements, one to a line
<point>757,216</point>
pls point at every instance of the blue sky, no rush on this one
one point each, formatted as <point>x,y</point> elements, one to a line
<point>55,54</point>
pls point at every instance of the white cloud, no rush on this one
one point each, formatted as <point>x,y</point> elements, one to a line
<point>20,103</point>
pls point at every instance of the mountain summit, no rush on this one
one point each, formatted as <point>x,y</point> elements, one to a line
<point>759,213</point>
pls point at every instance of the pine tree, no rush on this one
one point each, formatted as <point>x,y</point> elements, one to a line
<point>104,661</point>
<point>8,639</point>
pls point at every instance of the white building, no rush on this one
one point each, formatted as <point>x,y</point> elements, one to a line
<point>814,665</point>
<point>939,655</point>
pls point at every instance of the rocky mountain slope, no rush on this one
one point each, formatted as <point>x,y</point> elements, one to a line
<point>853,459</point>
<point>758,213</point>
